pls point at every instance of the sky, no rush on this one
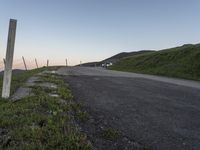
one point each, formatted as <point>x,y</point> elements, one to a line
<point>92,30</point>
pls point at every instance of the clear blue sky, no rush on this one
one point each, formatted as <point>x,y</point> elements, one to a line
<point>91,30</point>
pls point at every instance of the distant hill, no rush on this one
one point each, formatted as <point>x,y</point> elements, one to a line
<point>91,64</point>
<point>116,57</point>
<point>182,62</point>
<point>126,54</point>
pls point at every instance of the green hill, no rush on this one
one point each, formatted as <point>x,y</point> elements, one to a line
<point>115,58</point>
<point>181,62</point>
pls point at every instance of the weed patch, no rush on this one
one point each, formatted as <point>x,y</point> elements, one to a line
<point>82,116</point>
<point>110,134</point>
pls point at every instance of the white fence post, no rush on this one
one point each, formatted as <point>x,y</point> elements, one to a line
<point>9,59</point>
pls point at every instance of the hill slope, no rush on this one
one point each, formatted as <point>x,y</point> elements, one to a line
<point>182,62</point>
<point>126,54</point>
<point>116,57</point>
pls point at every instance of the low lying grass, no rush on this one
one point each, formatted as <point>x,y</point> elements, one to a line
<point>63,89</point>
<point>41,121</point>
<point>82,116</point>
<point>110,134</point>
<point>181,62</point>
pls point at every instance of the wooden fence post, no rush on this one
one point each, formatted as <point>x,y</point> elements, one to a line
<point>9,59</point>
<point>36,63</point>
<point>47,63</point>
<point>66,62</point>
<point>24,63</point>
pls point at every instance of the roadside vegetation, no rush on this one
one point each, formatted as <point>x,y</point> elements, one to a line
<point>41,121</point>
<point>49,118</point>
<point>19,79</point>
<point>110,134</point>
<point>180,62</point>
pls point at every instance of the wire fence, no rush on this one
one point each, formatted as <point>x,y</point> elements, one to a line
<point>31,63</point>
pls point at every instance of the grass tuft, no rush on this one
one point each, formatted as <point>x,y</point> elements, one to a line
<point>110,134</point>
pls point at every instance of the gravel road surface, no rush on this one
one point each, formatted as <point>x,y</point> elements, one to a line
<point>157,111</point>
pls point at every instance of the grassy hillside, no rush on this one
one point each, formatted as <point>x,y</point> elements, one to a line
<point>116,57</point>
<point>126,54</point>
<point>181,62</point>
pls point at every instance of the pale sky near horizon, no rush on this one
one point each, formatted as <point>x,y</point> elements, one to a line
<point>92,30</point>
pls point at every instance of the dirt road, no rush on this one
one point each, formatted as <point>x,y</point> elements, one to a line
<point>160,112</point>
